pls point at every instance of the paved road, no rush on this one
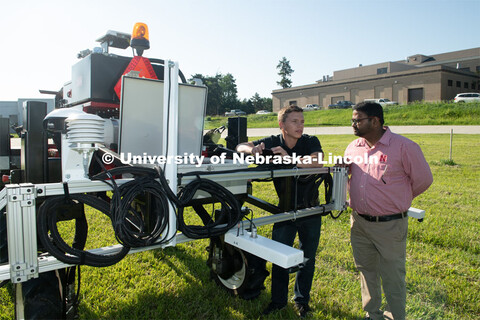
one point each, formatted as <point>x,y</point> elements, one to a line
<point>258,132</point>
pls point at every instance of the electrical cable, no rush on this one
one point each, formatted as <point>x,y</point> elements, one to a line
<point>230,208</point>
<point>230,212</point>
<point>162,62</point>
<point>139,228</point>
<point>136,228</point>
<point>47,218</point>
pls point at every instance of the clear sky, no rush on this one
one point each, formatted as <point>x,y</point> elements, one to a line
<point>40,39</point>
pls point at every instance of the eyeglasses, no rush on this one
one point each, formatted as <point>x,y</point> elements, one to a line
<point>356,121</point>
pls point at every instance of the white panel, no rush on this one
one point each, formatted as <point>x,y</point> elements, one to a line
<point>141,117</point>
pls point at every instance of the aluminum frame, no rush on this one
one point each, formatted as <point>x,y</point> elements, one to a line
<point>21,216</point>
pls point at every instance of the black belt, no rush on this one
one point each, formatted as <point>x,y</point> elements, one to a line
<point>383,218</point>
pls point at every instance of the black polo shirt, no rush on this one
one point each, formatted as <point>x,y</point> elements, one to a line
<point>286,188</point>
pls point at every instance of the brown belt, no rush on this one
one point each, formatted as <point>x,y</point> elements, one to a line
<point>384,218</point>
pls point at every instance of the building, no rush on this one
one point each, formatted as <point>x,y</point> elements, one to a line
<point>13,110</point>
<point>418,77</point>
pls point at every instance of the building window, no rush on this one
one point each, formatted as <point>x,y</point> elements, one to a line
<point>465,85</point>
<point>473,85</point>
<point>459,84</point>
<point>382,70</point>
<point>292,103</point>
<point>477,68</point>
<point>450,83</point>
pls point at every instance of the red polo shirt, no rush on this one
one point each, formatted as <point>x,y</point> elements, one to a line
<point>388,186</point>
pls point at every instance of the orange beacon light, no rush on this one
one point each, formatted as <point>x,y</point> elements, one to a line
<point>139,40</point>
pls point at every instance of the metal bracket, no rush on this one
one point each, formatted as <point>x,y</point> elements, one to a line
<point>339,194</point>
<point>21,232</point>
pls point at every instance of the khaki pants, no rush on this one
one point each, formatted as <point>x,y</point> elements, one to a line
<point>379,251</point>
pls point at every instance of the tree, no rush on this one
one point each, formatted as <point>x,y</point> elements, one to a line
<point>229,93</point>
<point>285,71</point>
<point>260,103</point>
<point>223,96</point>
<point>214,97</point>
<point>257,102</point>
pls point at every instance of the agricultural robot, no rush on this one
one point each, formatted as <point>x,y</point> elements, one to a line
<point>126,138</point>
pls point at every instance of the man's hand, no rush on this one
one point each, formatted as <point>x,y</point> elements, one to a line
<point>258,149</point>
<point>280,151</point>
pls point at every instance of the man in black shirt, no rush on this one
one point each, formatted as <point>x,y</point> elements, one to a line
<point>292,142</point>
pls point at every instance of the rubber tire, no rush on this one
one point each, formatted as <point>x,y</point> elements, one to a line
<point>248,280</point>
<point>40,298</point>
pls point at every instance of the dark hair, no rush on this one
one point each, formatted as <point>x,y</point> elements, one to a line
<point>371,109</point>
<point>283,113</point>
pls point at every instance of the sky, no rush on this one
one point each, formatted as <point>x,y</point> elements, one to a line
<point>247,38</point>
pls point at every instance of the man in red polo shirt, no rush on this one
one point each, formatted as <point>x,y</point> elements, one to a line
<point>380,194</point>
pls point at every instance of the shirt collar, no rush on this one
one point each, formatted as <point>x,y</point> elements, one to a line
<point>385,139</point>
<point>284,145</point>
<point>387,135</point>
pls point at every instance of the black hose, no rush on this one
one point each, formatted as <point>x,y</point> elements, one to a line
<point>137,228</point>
<point>146,178</point>
<point>230,214</point>
<point>54,243</point>
<point>162,62</point>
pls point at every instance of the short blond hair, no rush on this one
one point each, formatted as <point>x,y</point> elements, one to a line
<point>284,112</point>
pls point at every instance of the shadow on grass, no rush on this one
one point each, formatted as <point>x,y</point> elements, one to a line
<point>197,302</point>
<point>198,271</point>
<point>198,297</point>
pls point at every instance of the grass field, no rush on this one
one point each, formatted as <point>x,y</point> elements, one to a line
<point>411,114</point>
<point>443,258</point>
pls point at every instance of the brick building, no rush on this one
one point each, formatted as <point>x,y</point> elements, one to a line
<point>419,77</point>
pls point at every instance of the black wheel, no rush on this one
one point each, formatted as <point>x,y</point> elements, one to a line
<point>235,281</point>
<point>42,298</point>
<point>237,271</point>
<point>39,298</point>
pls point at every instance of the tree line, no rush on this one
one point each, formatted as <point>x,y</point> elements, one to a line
<point>222,91</point>
<point>222,95</point>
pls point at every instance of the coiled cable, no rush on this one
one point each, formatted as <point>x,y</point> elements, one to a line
<point>230,213</point>
<point>229,217</point>
<point>133,226</point>
<point>47,218</point>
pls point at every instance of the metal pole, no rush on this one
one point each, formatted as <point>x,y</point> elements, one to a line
<point>451,143</point>
<point>170,116</point>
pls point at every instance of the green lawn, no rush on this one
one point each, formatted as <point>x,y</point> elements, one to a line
<point>443,263</point>
<point>405,115</point>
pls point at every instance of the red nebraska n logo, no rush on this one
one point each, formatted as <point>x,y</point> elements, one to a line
<point>383,158</point>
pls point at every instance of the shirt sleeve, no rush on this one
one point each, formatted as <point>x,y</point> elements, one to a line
<point>416,168</point>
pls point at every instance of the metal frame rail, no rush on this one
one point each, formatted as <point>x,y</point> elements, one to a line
<point>19,199</point>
